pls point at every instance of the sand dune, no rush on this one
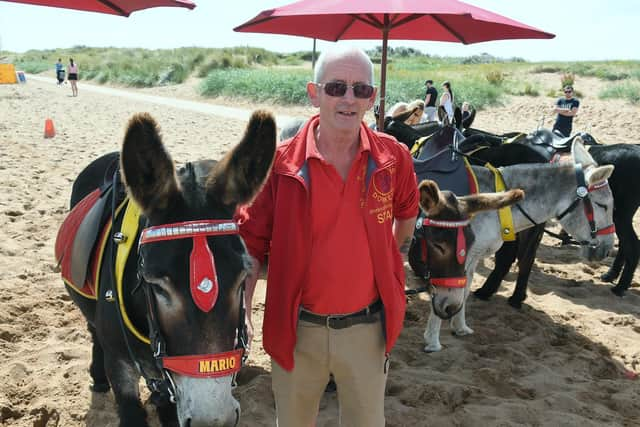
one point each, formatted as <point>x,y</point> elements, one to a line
<point>568,358</point>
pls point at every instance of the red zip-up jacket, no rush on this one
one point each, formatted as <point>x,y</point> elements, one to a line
<point>278,225</point>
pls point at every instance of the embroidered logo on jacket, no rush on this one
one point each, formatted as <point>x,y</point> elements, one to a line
<point>383,194</point>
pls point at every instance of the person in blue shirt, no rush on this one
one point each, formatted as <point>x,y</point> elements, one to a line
<point>567,108</point>
<point>60,71</point>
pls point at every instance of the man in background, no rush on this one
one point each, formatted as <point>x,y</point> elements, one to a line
<point>567,108</point>
<point>430,99</point>
<point>60,71</point>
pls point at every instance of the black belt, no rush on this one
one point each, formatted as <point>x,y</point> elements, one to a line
<point>341,321</point>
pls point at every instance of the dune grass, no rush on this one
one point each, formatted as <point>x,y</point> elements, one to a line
<point>628,91</point>
<point>261,75</point>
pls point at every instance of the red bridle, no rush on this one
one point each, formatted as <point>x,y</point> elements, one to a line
<point>461,250</point>
<point>203,283</point>
<point>203,280</point>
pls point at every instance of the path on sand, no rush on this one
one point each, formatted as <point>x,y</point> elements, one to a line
<point>198,107</point>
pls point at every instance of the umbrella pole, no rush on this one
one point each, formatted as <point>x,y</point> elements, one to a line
<point>313,56</point>
<point>383,75</point>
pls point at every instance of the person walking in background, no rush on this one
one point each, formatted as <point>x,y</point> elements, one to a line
<point>334,216</point>
<point>430,99</point>
<point>60,71</point>
<point>567,108</point>
<point>72,76</point>
<point>447,100</point>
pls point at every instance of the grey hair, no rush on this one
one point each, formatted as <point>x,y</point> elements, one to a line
<point>341,52</point>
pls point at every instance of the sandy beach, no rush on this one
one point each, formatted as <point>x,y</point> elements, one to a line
<point>570,357</point>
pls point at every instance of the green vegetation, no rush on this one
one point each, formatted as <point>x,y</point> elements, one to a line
<point>261,75</point>
<point>629,91</point>
<point>603,70</point>
<point>258,84</point>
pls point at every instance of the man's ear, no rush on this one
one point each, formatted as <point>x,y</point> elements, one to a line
<point>312,93</point>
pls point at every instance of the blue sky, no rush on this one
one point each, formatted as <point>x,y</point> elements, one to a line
<point>585,29</point>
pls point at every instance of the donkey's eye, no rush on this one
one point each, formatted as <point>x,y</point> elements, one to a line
<point>603,206</point>
<point>159,284</point>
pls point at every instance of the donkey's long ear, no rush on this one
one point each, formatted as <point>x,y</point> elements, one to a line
<point>430,197</point>
<point>237,178</point>
<point>147,168</point>
<point>489,201</point>
<point>580,154</point>
<point>598,174</point>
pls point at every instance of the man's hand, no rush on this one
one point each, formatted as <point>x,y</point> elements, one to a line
<point>250,287</point>
<point>249,323</point>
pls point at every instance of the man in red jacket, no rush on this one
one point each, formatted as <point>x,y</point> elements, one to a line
<point>336,211</point>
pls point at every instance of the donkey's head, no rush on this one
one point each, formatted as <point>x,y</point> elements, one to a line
<point>192,261</point>
<point>589,216</point>
<point>446,237</point>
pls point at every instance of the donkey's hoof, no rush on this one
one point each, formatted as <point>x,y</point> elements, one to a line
<point>481,294</point>
<point>432,348</point>
<point>618,290</point>
<point>100,387</point>
<point>515,303</point>
<point>609,276</point>
<point>461,332</point>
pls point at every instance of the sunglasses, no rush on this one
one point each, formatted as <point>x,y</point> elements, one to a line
<point>360,90</point>
<point>568,91</point>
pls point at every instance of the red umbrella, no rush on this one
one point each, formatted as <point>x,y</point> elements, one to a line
<point>114,7</point>
<point>436,20</point>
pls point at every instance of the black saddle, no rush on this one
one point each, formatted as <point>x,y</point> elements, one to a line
<point>112,193</point>
<point>548,143</point>
<point>472,143</point>
<point>551,138</point>
<point>447,169</point>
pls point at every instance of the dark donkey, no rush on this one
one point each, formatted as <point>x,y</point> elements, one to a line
<point>172,311</point>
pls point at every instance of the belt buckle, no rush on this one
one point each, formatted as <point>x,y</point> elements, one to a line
<point>330,318</point>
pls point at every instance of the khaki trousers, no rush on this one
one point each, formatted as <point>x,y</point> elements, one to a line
<point>356,358</point>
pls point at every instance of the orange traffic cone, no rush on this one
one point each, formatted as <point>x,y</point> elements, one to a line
<point>49,131</point>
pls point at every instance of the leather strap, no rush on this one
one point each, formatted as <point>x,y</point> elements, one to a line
<point>507,230</point>
<point>341,321</point>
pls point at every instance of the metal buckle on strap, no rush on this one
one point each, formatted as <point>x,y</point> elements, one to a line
<point>330,318</point>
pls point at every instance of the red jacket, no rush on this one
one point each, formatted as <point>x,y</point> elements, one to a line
<point>278,226</point>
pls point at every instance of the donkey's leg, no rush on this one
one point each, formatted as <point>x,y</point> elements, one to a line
<point>614,271</point>
<point>620,221</point>
<point>459,323</point>
<point>629,245</point>
<point>528,242</point>
<point>96,370</point>
<point>505,256</point>
<point>432,334</point>
<point>124,381</point>
<point>166,409</point>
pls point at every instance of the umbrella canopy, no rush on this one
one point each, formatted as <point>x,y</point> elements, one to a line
<point>434,20</point>
<point>113,7</point>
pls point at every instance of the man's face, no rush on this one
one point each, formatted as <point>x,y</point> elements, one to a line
<point>568,93</point>
<point>342,113</point>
